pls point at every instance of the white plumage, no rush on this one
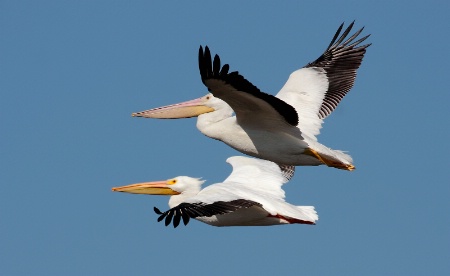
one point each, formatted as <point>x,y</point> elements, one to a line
<point>281,128</point>
<point>250,196</point>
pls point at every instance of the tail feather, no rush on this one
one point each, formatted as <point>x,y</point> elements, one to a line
<point>308,213</point>
<point>344,156</point>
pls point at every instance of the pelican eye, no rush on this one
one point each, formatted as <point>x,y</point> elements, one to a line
<point>171,181</point>
<point>208,97</point>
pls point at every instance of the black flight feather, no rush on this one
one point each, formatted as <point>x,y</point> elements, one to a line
<point>157,211</point>
<point>177,218</point>
<point>340,61</point>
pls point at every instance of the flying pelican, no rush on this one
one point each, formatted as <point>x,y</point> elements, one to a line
<point>281,128</point>
<point>250,196</point>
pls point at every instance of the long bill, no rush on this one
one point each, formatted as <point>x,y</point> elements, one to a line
<point>192,108</point>
<point>147,188</point>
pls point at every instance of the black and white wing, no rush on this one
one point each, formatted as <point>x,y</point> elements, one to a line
<point>248,102</point>
<point>186,211</point>
<point>316,89</point>
<point>287,171</point>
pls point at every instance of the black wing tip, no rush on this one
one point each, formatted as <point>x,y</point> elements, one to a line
<point>172,216</point>
<point>208,67</point>
<point>339,44</point>
<point>338,37</point>
<point>176,218</point>
<point>157,211</point>
<point>341,60</point>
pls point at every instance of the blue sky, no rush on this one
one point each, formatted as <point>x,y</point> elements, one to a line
<point>72,72</point>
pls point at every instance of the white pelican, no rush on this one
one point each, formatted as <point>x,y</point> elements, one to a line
<point>279,128</point>
<point>250,196</point>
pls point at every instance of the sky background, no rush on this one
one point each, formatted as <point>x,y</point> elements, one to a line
<point>72,72</point>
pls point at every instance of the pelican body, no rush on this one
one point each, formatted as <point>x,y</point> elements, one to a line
<point>250,196</point>
<point>281,128</point>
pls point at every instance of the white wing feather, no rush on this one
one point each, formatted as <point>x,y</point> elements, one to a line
<point>251,178</point>
<point>256,180</point>
<point>305,90</point>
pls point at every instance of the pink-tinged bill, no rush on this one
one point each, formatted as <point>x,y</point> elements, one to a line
<point>192,108</point>
<point>147,188</point>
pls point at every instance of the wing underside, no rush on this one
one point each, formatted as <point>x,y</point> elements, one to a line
<point>316,89</point>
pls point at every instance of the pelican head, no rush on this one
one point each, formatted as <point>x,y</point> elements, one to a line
<point>192,108</point>
<point>173,186</point>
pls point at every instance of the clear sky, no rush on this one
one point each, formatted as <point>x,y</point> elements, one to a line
<point>72,72</point>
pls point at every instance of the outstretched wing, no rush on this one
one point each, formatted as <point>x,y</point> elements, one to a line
<point>340,61</point>
<point>316,89</point>
<point>258,172</point>
<point>186,211</point>
<point>257,176</point>
<point>248,102</point>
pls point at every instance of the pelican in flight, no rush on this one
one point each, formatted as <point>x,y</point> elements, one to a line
<point>250,196</point>
<point>281,128</point>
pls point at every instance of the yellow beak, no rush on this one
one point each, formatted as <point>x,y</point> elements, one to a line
<point>192,108</point>
<point>147,188</point>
